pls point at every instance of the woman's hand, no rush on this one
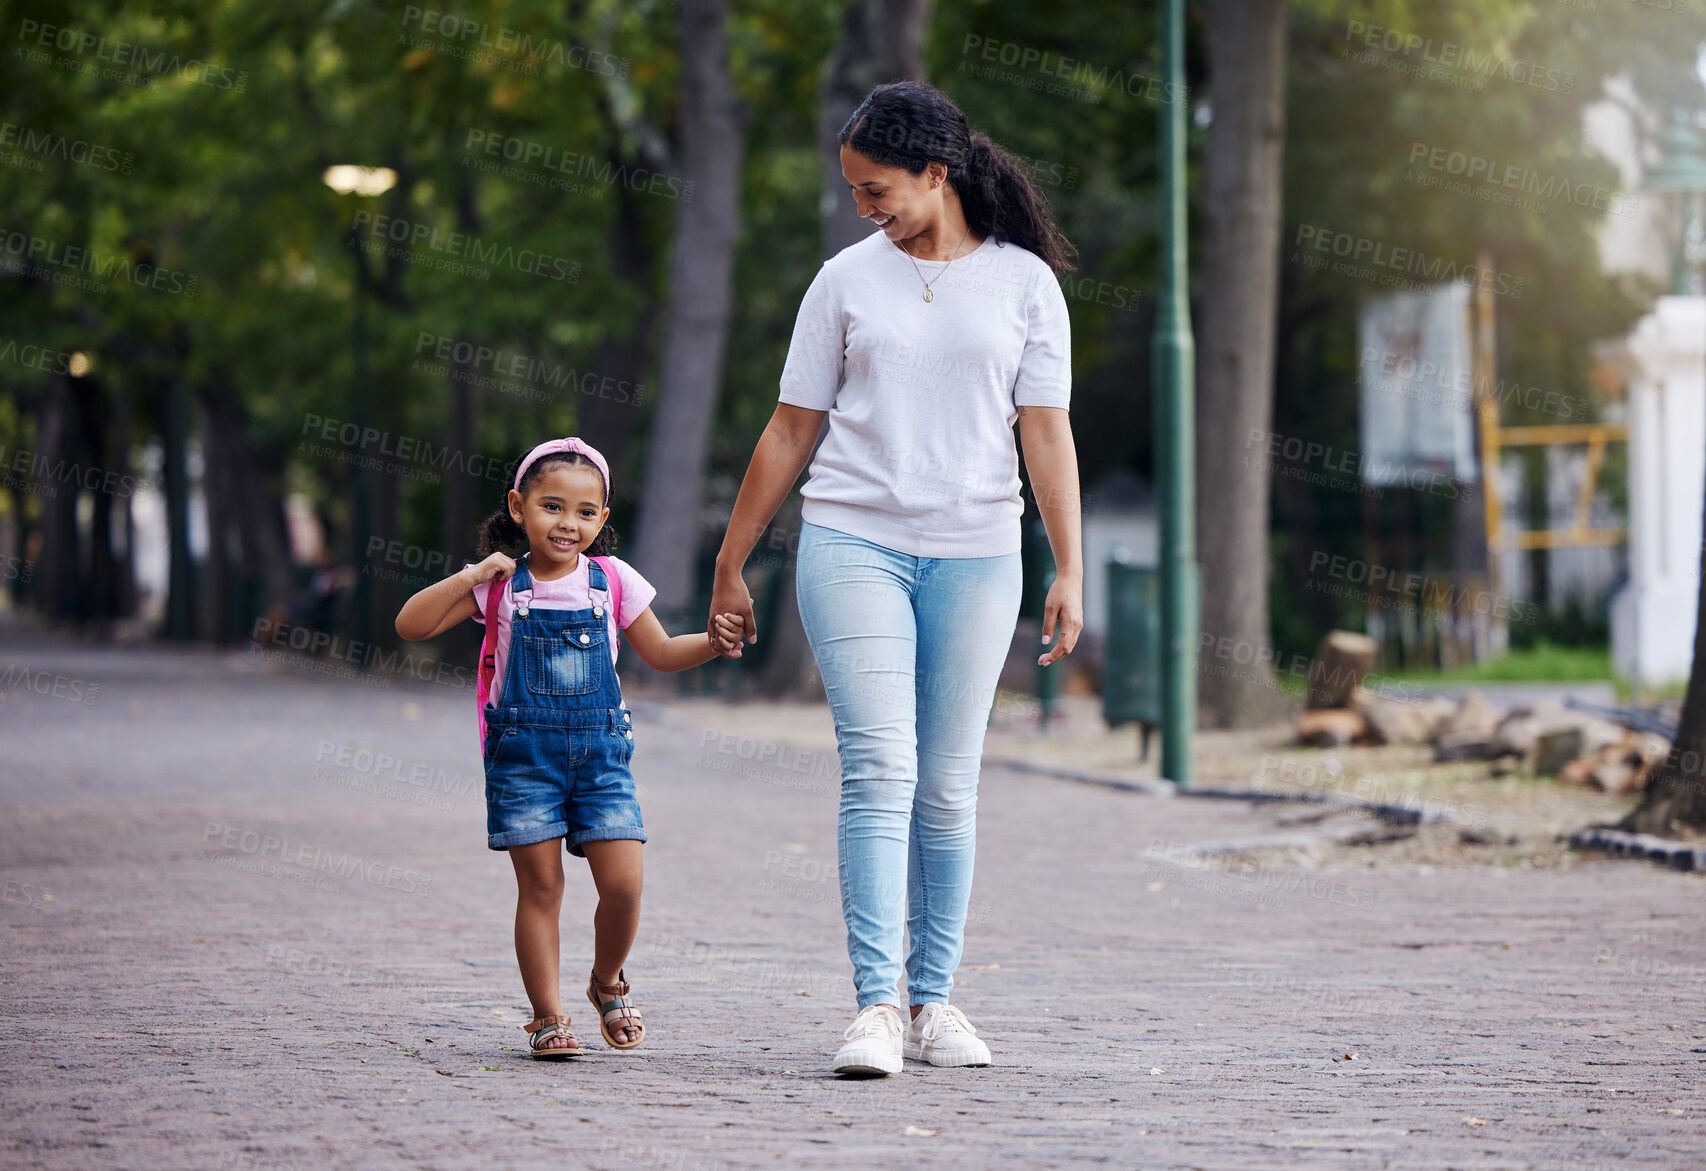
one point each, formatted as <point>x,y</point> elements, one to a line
<point>730,596</point>
<point>1065,610</point>
<point>493,566</point>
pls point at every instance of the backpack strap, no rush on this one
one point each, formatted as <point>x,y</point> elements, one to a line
<point>613,587</point>
<point>488,652</point>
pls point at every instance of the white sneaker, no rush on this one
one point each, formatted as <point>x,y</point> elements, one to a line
<point>941,1035</point>
<point>873,1043</point>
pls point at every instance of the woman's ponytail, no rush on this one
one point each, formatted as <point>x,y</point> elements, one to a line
<point>1000,200</point>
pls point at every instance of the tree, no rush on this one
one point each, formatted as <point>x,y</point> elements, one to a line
<point>1235,334</point>
<point>1675,797</point>
<point>701,298</point>
<point>879,43</point>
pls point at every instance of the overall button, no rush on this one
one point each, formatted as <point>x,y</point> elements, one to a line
<point>630,735</point>
<point>586,638</point>
<point>598,612</point>
<point>624,717</point>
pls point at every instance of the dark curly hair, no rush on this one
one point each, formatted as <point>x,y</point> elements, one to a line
<point>500,534</point>
<point>909,124</point>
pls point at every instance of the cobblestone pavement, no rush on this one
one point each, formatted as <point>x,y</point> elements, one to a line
<point>249,921</point>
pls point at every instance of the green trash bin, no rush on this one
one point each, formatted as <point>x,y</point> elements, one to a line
<point>1131,658</point>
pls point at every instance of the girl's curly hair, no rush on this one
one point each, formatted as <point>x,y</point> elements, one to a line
<point>500,534</point>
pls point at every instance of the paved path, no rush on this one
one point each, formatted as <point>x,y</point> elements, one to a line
<point>249,921</point>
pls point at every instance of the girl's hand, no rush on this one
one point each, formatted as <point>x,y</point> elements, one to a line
<point>727,630</point>
<point>1065,606</point>
<point>497,563</point>
<point>729,595</point>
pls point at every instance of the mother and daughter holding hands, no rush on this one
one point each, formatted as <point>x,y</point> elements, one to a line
<point>920,346</point>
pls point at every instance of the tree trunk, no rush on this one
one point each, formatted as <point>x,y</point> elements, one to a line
<point>1675,798</point>
<point>608,422</point>
<point>218,615</point>
<point>174,437</point>
<point>56,447</point>
<point>701,295</point>
<point>1235,340</point>
<point>879,43</point>
<point>460,488</point>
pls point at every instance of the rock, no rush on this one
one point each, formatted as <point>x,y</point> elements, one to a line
<point>1470,745</point>
<point>1391,721</point>
<point>1517,733</point>
<point>1520,730</point>
<point>1330,727</point>
<point>1581,736</point>
<point>1578,771</point>
<point>1341,661</point>
<point>1473,714</point>
<point>1555,749</point>
<point>1615,768</point>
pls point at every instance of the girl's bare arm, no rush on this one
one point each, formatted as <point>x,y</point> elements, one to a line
<point>665,652</point>
<point>444,604</point>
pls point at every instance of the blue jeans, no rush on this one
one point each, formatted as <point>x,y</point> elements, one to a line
<point>909,649</point>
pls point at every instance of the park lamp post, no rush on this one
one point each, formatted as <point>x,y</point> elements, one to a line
<point>1680,171</point>
<point>1174,356</point>
<point>346,179</point>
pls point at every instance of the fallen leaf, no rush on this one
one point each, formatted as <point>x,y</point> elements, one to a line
<point>918,1132</point>
<point>1155,886</point>
<point>1156,1071</point>
<point>1474,1121</point>
<point>801,992</point>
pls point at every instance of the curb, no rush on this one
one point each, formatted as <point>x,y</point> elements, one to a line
<point>1153,788</point>
<point>1401,815</point>
<point>1621,844</point>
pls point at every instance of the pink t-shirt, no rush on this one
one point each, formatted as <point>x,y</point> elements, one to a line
<point>569,592</point>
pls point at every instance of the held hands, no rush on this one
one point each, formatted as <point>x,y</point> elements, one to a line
<point>731,600</point>
<point>726,633</point>
<point>1065,608</point>
<point>495,565</point>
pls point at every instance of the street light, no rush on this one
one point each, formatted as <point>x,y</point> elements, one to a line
<point>347,179</point>
<point>1681,170</point>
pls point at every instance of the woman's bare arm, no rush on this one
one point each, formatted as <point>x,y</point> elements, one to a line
<point>1052,461</point>
<point>777,462</point>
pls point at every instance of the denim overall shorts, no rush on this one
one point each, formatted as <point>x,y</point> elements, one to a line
<point>558,742</point>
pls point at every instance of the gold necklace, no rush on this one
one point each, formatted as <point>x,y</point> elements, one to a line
<point>928,295</point>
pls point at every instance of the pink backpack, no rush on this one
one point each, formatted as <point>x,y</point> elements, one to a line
<point>489,645</point>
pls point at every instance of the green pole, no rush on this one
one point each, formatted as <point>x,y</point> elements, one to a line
<point>1175,425</point>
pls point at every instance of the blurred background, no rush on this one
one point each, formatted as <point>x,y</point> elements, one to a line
<point>287,288</point>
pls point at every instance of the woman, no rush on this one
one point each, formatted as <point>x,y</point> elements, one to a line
<point>921,344</point>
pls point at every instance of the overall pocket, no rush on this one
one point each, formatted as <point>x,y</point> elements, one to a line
<point>563,665</point>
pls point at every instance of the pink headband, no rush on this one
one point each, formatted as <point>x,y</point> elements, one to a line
<point>554,446</point>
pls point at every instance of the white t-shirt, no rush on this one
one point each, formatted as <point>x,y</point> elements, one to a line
<point>920,455</point>
<point>569,592</point>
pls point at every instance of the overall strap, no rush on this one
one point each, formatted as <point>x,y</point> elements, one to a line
<point>521,587</point>
<point>488,649</point>
<point>612,585</point>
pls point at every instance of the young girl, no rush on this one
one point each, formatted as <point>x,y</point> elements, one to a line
<point>558,737</point>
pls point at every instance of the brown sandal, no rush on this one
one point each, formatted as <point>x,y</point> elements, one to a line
<point>542,1029</point>
<point>618,1005</point>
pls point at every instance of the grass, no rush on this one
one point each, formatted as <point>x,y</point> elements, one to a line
<point>1541,663</point>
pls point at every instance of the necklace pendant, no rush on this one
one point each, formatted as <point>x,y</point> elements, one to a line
<point>929,296</point>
